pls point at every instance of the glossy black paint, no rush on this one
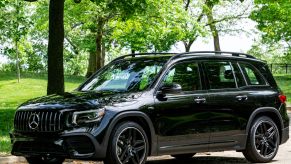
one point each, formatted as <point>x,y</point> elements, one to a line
<point>203,120</point>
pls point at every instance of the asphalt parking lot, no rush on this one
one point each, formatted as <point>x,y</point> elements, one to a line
<point>226,157</point>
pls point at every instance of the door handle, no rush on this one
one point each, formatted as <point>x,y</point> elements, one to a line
<point>242,98</point>
<point>199,100</point>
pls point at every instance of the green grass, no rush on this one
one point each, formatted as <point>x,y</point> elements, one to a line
<point>284,81</point>
<point>12,94</point>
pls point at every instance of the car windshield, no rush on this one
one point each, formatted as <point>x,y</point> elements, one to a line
<point>126,76</point>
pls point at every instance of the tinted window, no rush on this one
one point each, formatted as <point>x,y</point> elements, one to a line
<point>253,77</point>
<point>185,74</point>
<point>220,75</point>
<point>239,76</point>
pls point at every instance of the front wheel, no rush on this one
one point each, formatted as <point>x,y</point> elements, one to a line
<point>263,141</point>
<point>128,144</point>
<point>44,160</point>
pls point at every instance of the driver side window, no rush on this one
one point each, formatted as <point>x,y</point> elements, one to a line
<point>184,74</point>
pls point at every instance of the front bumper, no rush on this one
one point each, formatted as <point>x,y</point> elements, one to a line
<point>73,145</point>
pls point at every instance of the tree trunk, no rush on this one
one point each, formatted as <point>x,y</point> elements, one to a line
<point>17,41</point>
<point>99,43</point>
<point>103,54</point>
<point>213,28</point>
<point>189,44</point>
<point>187,48</point>
<point>17,62</point>
<point>55,48</point>
<point>91,64</point>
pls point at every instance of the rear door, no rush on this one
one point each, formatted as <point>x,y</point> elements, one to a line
<point>224,83</point>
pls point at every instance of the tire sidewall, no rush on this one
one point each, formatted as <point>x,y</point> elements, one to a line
<point>112,157</point>
<point>252,138</point>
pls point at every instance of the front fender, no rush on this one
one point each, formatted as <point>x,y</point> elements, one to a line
<point>129,114</point>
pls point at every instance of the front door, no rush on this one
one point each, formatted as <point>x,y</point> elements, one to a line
<point>181,118</point>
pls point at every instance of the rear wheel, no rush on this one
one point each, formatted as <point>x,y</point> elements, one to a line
<point>183,156</point>
<point>44,160</point>
<point>263,141</point>
<point>128,144</point>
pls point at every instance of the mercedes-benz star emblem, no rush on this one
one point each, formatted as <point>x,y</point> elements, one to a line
<point>33,121</point>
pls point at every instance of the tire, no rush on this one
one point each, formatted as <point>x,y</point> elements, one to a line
<point>183,156</point>
<point>44,160</point>
<point>263,141</point>
<point>128,144</point>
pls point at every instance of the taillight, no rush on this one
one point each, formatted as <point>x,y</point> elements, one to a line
<point>282,98</point>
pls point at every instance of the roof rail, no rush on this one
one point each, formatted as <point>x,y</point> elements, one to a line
<point>237,54</point>
<point>143,54</point>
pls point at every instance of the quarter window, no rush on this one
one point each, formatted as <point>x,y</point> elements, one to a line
<point>253,77</point>
<point>220,75</point>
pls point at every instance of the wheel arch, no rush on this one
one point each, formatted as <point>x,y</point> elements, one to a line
<point>271,112</point>
<point>142,119</point>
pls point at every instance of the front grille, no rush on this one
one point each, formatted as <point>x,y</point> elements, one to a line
<point>45,121</point>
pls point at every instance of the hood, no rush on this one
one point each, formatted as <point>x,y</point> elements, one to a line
<point>79,100</point>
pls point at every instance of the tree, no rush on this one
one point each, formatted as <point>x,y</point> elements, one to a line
<point>274,20</point>
<point>106,11</point>
<point>209,13</point>
<point>193,27</point>
<point>14,27</point>
<point>214,17</point>
<point>157,29</point>
<point>55,48</point>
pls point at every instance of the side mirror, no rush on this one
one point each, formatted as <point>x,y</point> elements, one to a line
<point>168,88</point>
<point>171,88</point>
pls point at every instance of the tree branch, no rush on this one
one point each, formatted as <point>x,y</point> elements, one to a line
<point>240,16</point>
<point>187,4</point>
<point>75,48</point>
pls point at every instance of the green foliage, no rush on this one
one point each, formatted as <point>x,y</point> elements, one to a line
<point>272,53</point>
<point>163,24</point>
<point>274,20</point>
<point>109,8</point>
<point>131,25</point>
<point>15,24</point>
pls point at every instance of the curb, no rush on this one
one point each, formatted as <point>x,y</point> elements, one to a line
<point>11,160</point>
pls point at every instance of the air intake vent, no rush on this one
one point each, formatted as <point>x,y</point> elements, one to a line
<point>44,121</point>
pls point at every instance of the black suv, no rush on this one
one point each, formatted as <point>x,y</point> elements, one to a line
<point>155,104</point>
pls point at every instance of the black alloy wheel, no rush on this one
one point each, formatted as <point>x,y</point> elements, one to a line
<point>129,145</point>
<point>263,141</point>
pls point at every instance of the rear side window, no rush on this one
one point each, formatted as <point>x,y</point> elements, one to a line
<point>253,77</point>
<point>220,75</point>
